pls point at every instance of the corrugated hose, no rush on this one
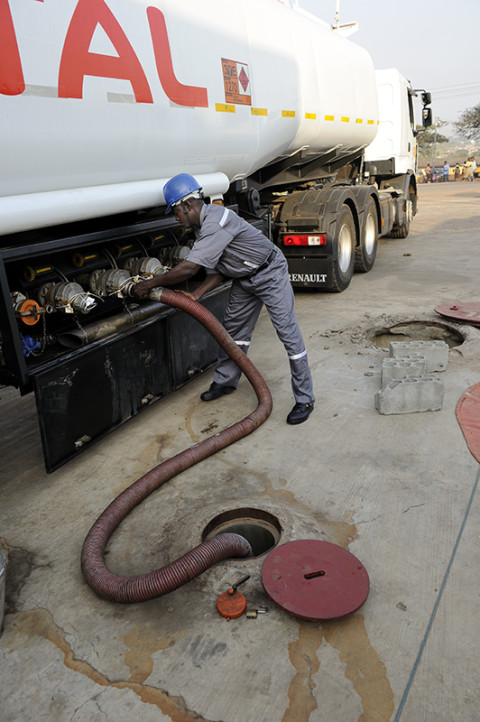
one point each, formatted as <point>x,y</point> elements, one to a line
<point>164,580</point>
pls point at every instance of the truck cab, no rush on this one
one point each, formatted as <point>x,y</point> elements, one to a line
<point>394,146</point>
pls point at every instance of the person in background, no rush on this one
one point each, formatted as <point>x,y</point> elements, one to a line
<point>456,172</point>
<point>446,171</point>
<point>473,166</point>
<point>227,246</point>
<point>428,173</point>
<point>467,170</point>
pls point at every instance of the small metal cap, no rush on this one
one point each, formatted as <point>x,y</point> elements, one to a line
<point>231,605</point>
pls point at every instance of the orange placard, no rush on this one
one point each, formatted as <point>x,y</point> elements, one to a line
<point>236,79</point>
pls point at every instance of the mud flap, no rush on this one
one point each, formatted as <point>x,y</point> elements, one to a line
<point>310,272</point>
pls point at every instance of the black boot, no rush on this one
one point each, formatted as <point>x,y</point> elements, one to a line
<point>215,391</point>
<point>300,413</point>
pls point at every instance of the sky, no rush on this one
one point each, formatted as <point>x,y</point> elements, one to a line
<point>434,43</point>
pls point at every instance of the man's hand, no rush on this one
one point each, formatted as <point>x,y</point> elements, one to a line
<point>187,293</point>
<point>182,272</point>
<point>143,288</point>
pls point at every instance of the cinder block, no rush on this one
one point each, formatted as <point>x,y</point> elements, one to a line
<point>435,352</point>
<point>413,356</point>
<point>394,369</point>
<point>410,395</point>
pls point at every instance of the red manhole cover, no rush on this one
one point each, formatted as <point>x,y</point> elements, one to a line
<point>243,78</point>
<point>469,312</point>
<point>315,580</point>
<point>468,416</point>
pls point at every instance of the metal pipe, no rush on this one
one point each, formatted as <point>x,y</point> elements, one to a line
<point>74,338</point>
<point>162,581</point>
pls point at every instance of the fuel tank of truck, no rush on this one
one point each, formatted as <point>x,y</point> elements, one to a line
<point>101,101</point>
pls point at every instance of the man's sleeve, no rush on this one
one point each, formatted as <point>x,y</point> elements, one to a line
<point>207,249</point>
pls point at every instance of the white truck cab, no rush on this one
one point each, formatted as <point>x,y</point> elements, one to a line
<point>395,140</point>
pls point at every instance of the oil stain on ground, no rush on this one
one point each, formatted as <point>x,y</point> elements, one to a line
<point>363,668</point>
<point>40,623</point>
<point>142,642</point>
<point>20,564</point>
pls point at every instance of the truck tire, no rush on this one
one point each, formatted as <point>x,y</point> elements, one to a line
<point>366,252</point>
<point>402,230</point>
<point>345,237</point>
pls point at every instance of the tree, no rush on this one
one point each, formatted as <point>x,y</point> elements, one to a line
<point>469,123</point>
<point>426,139</point>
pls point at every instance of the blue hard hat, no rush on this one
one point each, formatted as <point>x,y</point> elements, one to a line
<point>178,187</point>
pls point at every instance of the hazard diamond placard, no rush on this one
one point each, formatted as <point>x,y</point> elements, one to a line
<point>236,78</point>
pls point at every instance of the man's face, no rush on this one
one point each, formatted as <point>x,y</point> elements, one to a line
<point>180,216</point>
<point>187,214</point>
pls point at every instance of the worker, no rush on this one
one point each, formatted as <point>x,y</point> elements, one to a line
<point>226,246</point>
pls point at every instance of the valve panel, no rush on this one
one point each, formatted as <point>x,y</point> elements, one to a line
<point>72,332</point>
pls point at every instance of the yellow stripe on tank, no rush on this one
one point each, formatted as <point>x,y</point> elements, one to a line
<point>223,108</point>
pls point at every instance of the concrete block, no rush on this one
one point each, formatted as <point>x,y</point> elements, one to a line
<point>394,369</point>
<point>410,395</point>
<point>412,356</point>
<point>435,352</point>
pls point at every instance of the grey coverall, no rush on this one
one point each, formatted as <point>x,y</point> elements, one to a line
<point>227,244</point>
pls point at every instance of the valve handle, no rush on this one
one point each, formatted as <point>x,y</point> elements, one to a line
<point>233,588</point>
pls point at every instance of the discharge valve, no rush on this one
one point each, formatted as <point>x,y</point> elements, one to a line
<point>26,309</point>
<point>68,297</point>
<point>145,267</point>
<point>113,282</point>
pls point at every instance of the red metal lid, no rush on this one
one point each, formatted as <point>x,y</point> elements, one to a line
<point>315,580</point>
<point>468,416</point>
<point>469,312</point>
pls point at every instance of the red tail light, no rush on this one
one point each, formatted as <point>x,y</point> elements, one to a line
<point>314,239</point>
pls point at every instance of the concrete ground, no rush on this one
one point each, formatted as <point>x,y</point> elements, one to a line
<point>399,491</point>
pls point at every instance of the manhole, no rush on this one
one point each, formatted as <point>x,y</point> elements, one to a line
<point>260,528</point>
<point>416,331</point>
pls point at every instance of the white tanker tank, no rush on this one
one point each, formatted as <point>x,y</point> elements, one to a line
<point>103,100</point>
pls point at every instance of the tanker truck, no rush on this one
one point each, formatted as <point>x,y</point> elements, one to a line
<point>276,113</point>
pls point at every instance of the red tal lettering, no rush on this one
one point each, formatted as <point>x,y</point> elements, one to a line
<point>11,73</point>
<point>189,95</point>
<point>77,61</point>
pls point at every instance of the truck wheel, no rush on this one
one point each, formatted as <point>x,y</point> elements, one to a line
<point>403,230</point>
<point>366,252</point>
<point>345,237</point>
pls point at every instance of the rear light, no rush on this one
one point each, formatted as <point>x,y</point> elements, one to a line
<point>295,239</point>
